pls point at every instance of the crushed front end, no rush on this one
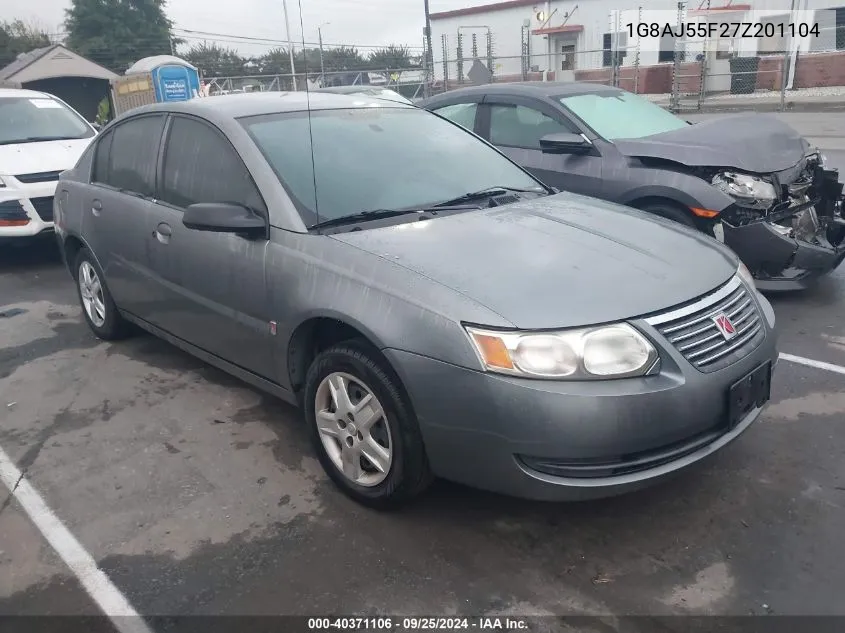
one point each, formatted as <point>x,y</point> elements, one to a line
<point>787,227</point>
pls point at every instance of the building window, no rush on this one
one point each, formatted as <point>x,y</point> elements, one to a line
<point>607,48</point>
<point>668,44</point>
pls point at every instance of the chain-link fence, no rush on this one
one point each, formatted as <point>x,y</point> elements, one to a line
<point>797,50</point>
<point>409,82</point>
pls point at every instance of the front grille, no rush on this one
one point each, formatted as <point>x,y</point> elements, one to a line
<point>44,176</point>
<point>692,331</point>
<point>44,207</point>
<point>12,211</point>
<point>622,464</point>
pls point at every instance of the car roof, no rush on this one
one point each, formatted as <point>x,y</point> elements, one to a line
<point>9,93</point>
<point>258,103</point>
<point>536,88</point>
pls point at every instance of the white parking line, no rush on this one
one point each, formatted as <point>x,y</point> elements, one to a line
<point>93,579</point>
<point>809,362</point>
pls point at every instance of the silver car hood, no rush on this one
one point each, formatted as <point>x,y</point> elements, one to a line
<point>557,261</point>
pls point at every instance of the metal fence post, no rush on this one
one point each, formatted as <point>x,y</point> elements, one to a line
<point>460,57</point>
<point>490,57</point>
<point>445,41</point>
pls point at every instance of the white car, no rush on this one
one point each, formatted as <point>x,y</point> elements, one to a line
<point>40,137</point>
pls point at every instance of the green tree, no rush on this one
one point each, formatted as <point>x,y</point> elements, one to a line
<point>117,33</point>
<point>17,37</point>
<point>214,60</point>
<point>393,57</point>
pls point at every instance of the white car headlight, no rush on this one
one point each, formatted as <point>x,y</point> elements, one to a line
<point>749,191</point>
<point>746,275</point>
<point>597,353</point>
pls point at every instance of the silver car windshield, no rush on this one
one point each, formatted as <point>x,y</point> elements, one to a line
<point>33,119</point>
<point>616,115</point>
<point>374,158</point>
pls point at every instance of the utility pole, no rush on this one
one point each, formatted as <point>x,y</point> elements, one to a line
<point>320,38</point>
<point>429,53</point>
<point>290,44</point>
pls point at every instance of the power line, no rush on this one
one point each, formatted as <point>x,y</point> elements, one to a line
<point>265,40</point>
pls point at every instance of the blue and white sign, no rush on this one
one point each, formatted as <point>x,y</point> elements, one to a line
<point>176,90</point>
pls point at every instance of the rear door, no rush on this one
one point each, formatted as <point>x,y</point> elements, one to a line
<point>515,125</point>
<point>116,207</point>
<point>212,285</point>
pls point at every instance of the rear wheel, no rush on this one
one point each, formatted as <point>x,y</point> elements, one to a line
<point>97,304</point>
<point>365,433</point>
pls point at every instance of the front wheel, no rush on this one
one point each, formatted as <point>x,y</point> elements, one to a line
<point>669,212</point>
<point>364,430</point>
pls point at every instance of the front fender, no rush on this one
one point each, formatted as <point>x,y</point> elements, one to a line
<point>685,189</point>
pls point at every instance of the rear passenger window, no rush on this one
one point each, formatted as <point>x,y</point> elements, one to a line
<point>133,153</point>
<point>200,165</point>
<point>100,172</point>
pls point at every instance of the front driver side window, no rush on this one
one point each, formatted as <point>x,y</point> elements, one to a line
<point>202,166</point>
<point>521,126</point>
<point>461,113</point>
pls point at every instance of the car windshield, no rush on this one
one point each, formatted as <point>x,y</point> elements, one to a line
<point>618,114</point>
<point>376,158</point>
<point>32,119</point>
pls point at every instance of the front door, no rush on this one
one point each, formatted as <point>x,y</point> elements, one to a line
<point>212,284</point>
<point>516,126</point>
<point>117,203</point>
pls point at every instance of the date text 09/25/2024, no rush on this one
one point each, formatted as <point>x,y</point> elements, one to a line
<point>456,623</point>
<point>723,29</point>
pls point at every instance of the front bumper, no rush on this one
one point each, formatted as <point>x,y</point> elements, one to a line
<point>781,262</point>
<point>777,255</point>
<point>502,433</point>
<point>26,210</point>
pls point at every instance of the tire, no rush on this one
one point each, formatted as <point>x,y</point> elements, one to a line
<point>107,323</point>
<point>670,212</point>
<point>405,474</point>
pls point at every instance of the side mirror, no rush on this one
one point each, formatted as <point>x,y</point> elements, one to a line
<point>224,217</point>
<point>564,144</point>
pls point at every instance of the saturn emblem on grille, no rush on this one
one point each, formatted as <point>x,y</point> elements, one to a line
<point>724,325</point>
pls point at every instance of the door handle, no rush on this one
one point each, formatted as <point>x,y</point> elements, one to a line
<point>163,233</point>
<point>96,207</point>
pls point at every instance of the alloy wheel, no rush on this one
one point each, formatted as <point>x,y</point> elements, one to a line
<point>354,429</point>
<point>91,290</point>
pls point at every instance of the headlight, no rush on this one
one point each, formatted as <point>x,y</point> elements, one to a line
<point>746,275</point>
<point>749,191</point>
<point>598,353</point>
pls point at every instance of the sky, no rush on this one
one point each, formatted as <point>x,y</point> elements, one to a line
<point>360,22</point>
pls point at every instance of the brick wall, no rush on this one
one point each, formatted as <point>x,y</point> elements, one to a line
<point>820,69</point>
<point>811,71</point>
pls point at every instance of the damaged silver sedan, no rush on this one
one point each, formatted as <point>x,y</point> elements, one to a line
<point>750,181</point>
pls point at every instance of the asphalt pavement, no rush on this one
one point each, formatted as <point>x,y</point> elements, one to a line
<point>197,495</point>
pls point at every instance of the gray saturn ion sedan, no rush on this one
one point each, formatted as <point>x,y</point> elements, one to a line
<point>433,308</point>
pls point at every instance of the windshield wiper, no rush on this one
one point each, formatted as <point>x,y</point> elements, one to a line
<point>39,139</point>
<point>489,192</point>
<point>375,214</point>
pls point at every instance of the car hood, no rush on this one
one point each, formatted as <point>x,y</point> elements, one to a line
<point>757,143</point>
<point>557,261</point>
<point>33,158</point>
